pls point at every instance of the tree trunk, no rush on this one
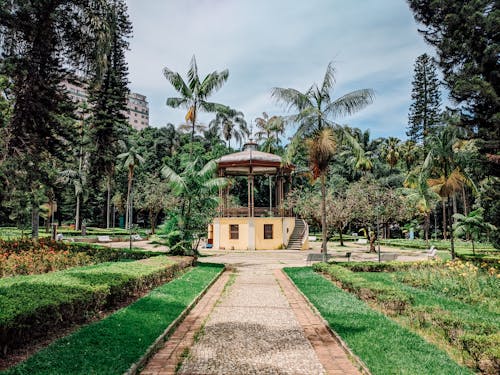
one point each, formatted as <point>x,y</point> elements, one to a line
<point>127,212</point>
<point>108,202</point>
<point>452,240</point>
<point>77,214</point>
<point>443,202</point>
<point>323,216</point>
<point>34,221</point>
<point>472,241</point>
<point>372,236</point>
<point>464,199</point>
<point>340,236</point>
<point>427,224</point>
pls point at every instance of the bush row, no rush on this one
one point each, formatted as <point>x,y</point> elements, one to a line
<point>122,337</point>
<point>392,299</point>
<point>393,266</point>
<point>33,305</point>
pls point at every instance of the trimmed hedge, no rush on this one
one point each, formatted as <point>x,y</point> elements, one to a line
<point>392,299</point>
<point>113,344</point>
<point>394,266</point>
<point>33,305</point>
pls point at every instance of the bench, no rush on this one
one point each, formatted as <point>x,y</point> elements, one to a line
<point>388,256</point>
<point>362,241</point>
<point>431,254</point>
<point>136,237</point>
<point>316,258</point>
<point>103,239</point>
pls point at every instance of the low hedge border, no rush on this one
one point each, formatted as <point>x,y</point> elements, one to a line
<point>391,299</point>
<point>393,266</point>
<point>34,305</point>
<point>114,344</point>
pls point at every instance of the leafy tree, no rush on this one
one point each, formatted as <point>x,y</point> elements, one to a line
<point>316,112</point>
<point>426,101</point>
<point>197,191</point>
<point>108,97</point>
<point>194,93</point>
<point>391,151</point>
<point>472,225</point>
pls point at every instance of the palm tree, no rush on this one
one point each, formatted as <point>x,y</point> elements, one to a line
<point>409,152</point>
<point>391,151</point>
<point>424,198</point>
<point>131,160</point>
<point>197,190</point>
<point>270,129</point>
<point>471,225</point>
<point>78,179</point>
<point>230,124</point>
<point>195,92</point>
<point>316,112</point>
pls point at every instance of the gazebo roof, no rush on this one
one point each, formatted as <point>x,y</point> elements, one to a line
<point>251,161</point>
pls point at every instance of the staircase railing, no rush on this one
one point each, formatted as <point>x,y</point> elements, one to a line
<point>304,231</point>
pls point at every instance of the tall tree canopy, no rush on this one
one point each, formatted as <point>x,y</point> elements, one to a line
<point>466,36</point>
<point>426,100</point>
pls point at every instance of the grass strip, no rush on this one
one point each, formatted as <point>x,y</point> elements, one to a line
<point>384,346</point>
<point>34,304</point>
<point>472,329</point>
<point>112,345</point>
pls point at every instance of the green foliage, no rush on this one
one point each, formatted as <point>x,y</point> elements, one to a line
<point>384,346</point>
<point>123,336</point>
<point>390,298</point>
<point>32,305</point>
<point>425,111</point>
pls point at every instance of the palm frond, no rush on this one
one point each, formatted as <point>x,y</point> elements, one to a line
<point>328,80</point>
<point>177,82</point>
<point>218,182</point>
<point>193,74</point>
<point>208,169</point>
<point>350,103</point>
<point>176,182</point>
<point>178,102</point>
<point>291,98</point>
<point>213,82</point>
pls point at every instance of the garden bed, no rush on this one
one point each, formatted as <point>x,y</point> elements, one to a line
<point>34,305</point>
<point>112,345</point>
<point>26,257</point>
<point>384,346</point>
<point>455,304</point>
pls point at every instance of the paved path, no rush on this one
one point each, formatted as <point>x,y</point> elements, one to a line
<point>260,326</point>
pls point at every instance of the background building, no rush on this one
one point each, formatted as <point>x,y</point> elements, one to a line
<point>137,105</point>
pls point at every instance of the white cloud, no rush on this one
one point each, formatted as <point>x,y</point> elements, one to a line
<point>268,43</point>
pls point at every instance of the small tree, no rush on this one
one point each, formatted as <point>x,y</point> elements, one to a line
<point>131,160</point>
<point>471,225</point>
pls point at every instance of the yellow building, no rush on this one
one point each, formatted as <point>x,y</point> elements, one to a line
<point>250,227</point>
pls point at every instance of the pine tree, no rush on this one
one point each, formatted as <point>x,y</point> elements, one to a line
<point>425,109</point>
<point>108,97</point>
<point>41,42</point>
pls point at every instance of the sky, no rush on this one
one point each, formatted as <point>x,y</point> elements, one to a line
<point>278,43</point>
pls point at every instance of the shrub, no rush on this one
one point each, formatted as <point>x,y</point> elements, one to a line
<point>390,298</point>
<point>33,305</point>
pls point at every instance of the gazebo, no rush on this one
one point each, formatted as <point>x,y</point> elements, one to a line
<point>250,227</point>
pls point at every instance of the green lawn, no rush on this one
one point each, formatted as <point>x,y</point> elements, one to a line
<point>112,345</point>
<point>384,346</point>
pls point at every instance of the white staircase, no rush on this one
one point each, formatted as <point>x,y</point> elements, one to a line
<point>298,234</point>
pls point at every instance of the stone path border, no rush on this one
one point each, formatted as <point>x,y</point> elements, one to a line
<point>330,352</point>
<point>165,361</point>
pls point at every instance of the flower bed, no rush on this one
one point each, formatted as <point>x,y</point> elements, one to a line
<point>26,257</point>
<point>33,305</point>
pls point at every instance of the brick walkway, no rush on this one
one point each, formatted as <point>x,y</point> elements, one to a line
<point>262,325</point>
<point>166,359</point>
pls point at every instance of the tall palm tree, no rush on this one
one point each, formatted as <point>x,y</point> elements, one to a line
<point>195,92</point>
<point>131,160</point>
<point>317,112</point>
<point>230,124</point>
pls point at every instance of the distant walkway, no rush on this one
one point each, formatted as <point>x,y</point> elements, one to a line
<point>261,325</point>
